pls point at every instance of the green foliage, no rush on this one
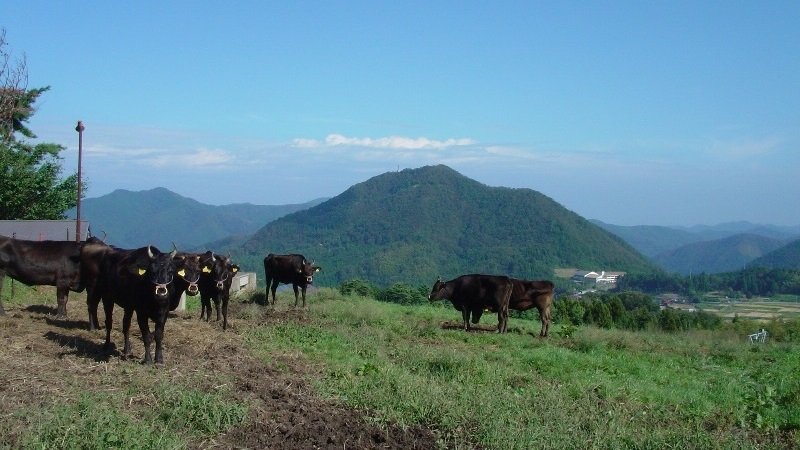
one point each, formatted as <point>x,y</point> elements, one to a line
<point>629,310</point>
<point>753,281</point>
<point>359,287</point>
<point>414,225</point>
<point>30,183</point>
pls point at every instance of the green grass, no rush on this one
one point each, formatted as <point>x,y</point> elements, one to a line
<point>599,389</point>
<point>96,420</point>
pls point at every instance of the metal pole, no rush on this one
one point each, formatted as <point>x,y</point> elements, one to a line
<point>79,129</point>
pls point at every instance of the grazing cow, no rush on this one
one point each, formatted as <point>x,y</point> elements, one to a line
<point>527,294</point>
<point>474,294</point>
<point>215,284</point>
<point>51,263</point>
<point>139,281</point>
<point>289,269</point>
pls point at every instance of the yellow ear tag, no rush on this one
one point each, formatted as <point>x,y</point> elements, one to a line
<point>316,270</point>
<point>206,269</point>
<point>182,273</point>
<point>142,271</point>
<point>235,270</point>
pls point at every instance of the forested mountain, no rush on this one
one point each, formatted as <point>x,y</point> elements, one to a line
<point>718,256</point>
<point>413,225</point>
<point>161,217</point>
<point>786,257</point>
<point>654,240</point>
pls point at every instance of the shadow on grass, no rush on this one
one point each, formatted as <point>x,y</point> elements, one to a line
<point>80,346</point>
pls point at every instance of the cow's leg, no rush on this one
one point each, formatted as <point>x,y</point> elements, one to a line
<point>147,338</point>
<point>108,308</point>
<point>304,295</point>
<point>274,288</point>
<point>502,320</point>
<point>217,305</point>
<point>159,335</point>
<point>91,305</point>
<point>62,294</point>
<point>225,299</point>
<point>545,314</point>
<point>266,291</point>
<point>2,280</point>
<point>296,294</point>
<point>205,308</point>
<point>465,317</point>
<point>126,331</point>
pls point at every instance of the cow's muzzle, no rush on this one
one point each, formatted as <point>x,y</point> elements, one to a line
<point>309,279</point>
<point>161,290</point>
<point>192,289</point>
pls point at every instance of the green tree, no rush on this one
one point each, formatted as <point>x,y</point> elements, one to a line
<point>31,186</point>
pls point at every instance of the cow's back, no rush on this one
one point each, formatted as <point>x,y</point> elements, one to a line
<point>282,267</point>
<point>478,291</point>
<point>526,294</point>
<point>51,263</point>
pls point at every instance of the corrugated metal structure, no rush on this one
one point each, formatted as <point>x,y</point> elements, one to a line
<point>43,230</point>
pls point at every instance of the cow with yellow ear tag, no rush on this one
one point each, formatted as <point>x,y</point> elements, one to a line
<point>215,284</point>
<point>187,277</point>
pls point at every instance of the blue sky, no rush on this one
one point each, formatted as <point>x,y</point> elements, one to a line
<point>633,113</point>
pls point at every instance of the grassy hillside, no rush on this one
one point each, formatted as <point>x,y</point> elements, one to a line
<point>598,389</point>
<point>723,255</point>
<point>413,225</point>
<point>787,257</point>
<point>409,369</point>
<point>161,217</point>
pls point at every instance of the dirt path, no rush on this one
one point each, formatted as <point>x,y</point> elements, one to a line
<point>45,361</point>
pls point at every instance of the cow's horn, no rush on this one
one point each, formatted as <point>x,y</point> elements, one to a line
<point>212,257</point>
<point>175,251</point>
<point>149,252</point>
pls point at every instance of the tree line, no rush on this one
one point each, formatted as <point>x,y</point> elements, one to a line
<point>755,281</point>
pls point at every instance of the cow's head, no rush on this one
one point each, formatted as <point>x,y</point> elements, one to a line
<point>438,290</point>
<point>220,268</point>
<point>188,269</point>
<point>307,270</point>
<point>158,268</point>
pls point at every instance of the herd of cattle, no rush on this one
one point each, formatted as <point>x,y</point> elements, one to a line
<point>150,283</point>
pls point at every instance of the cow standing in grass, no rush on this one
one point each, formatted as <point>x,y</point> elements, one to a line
<point>215,285</point>
<point>292,269</point>
<point>140,281</point>
<point>527,294</point>
<point>472,294</point>
<point>50,263</point>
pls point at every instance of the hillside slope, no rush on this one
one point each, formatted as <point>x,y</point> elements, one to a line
<point>161,217</point>
<point>722,255</point>
<point>786,257</point>
<point>413,225</point>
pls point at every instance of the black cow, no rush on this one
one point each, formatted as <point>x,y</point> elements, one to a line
<point>215,285</point>
<point>286,269</point>
<point>140,281</point>
<point>527,294</point>
<point>188,268</point>
<point>51,263</point>
<point>475,293</point>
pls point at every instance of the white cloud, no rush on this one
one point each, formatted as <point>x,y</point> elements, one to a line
<point>746,148</point>
<point>200,158</point>
<point>396,142</point>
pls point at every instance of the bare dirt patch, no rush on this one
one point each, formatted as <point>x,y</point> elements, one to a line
<point>47,361</point>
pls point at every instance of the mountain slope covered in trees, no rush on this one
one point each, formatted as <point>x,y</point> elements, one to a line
<point>161,217</point>
<point>413,225</point>
<point>722,255</point>
<point>786,257</point>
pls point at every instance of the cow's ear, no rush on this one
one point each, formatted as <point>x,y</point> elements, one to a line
<point>317,269</point>
<point>235,268</point>
<point>182,272</point>
<point>206,269</point>
<point>140,271</point>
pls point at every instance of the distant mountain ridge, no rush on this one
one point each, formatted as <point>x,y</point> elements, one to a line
<point>413,225</point>
<point>160,217</point>
<point>706,248</point>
